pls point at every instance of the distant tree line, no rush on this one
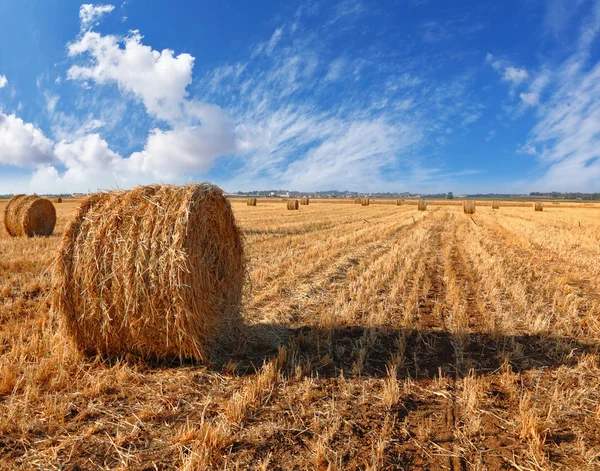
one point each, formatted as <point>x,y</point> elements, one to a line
<point>567,196</point>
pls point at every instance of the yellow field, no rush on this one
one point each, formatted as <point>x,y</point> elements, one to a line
<point>379,337</point>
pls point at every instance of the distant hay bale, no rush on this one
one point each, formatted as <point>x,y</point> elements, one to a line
<point>469,207</point>
<point>304,201</point>
<point>29,215</point>
<point>251,202</point>
<point>399,202</point>
<point>422,205</point>
<point>365,202</point>
<point>538,206</point>
<point>292,204</point>
<point>495,205</point>
<point>358,201</point>
<point>156,272</point>
<point>59,200</point>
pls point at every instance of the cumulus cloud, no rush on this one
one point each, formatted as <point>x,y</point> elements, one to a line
<point>22,144</point>
<point>158,79</point>
<point>90,14</point>
<point>3,81</point>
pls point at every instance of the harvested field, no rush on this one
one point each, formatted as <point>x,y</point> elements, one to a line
<point>383,339</point>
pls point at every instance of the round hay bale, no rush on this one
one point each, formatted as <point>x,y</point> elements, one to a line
<point>292,204</point>
<point>251,202</point>
<point>59,200</point>
<point>495,205</point>
<point>469,207</point>
<point>366,201</point>
<point>156,272</point>
<point>399,202</point>
<point>304,201</point>
<point>422,205</point>
<point>29,215</point>
<point>538,206</point>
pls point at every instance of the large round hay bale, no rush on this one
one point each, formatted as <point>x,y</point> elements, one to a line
<point>156,272</point>
<point>304,201</point>
<point>29,215</point>
<point>251,202</point>
<point>422,205</point>
<point>495,205</point>
<point>469,207</point>
<point>366,201</point>
<point>59,200</point>
<point>292,204</point>
<point>538,206</point>
<point>399,202</point>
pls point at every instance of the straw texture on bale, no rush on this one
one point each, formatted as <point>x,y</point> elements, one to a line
<point>495,205</point>
<point>59,200</point>
<point>29,215</point>
<point>365,202</point>
<point>538,206</point>
<point>422,205</point>
<point>358,201</point>
<point>304,201</point>
<point>469,207</point>
<point>251,202</point>
<point>156,272</point>
<point>292,204</point>
<point>399,202</point>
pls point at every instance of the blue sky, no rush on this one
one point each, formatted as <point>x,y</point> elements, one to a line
<point>403,95</point>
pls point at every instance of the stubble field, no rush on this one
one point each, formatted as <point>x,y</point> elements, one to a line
<point>378,337</point>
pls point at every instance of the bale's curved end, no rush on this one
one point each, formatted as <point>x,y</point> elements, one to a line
<point>156,272</point>
<point>29,215</point>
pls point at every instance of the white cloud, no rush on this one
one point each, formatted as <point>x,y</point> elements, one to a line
<point>527,149</point>
<point>514,75</point>
<point>530,99</point>
<point>158,79</point>
<point>336,68</point>
<point>51,101</point>
<point>568,127</point>
<point>188,149</point>
<point>3,81</point>
<point>22,144</point>
<point>90,14</point>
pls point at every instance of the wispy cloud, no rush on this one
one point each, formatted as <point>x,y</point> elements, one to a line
<point>3,81</point>
<point>567,133</point>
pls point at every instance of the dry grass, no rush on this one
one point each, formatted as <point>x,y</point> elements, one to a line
<point>399,202</point>
<point>154,272</point>
<point>469,207</point>
<point>397,340</point>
